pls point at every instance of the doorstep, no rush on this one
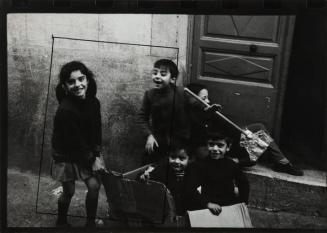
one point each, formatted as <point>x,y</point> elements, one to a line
<point>280,192</point>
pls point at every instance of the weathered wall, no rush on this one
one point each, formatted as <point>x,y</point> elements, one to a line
<point>121,71</point>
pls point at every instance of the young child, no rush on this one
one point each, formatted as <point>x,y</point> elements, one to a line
<point>281,163</point>
<point>163,112</point>
<point>217,177</point>
<point>76,139</point>
<point>200,117</point>
<point>171,172</point>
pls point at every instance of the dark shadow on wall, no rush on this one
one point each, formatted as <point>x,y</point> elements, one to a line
<point>303,128</point>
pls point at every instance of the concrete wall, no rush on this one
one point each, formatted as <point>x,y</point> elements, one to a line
<point>122,73</point>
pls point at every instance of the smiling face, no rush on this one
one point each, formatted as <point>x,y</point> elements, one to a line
<point>218,148</point>
<point>161,77</point>
<point>178,160</point>
<point>77,84</point>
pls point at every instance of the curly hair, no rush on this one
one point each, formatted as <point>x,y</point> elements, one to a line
<point>65,73</point>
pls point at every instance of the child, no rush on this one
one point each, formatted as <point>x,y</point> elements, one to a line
<point>76,139</point>
<point>281,163</point>
<point>217,177</point>
<point>163,112</point>
<point>199,118</point>
<point>171,172</point>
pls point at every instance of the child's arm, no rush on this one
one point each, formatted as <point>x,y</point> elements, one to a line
<point>143,116</point>
<point>243,185</point>
<point>144,122</point>
<point>214,108</point>
<point>98,129</point>
<point>154,173</point>
<point>194,200</point>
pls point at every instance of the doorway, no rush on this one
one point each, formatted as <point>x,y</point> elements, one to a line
<point>303,122</point>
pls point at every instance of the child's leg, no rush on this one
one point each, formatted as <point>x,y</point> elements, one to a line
<point>273,151</point>
<point>276,155</point>
<point>64,201</point>
<point>91,201</point>
<point>281,163</point>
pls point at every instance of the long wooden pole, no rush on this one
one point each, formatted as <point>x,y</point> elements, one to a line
<point>218,113</point>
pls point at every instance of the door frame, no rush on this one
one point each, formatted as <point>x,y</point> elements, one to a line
<point>189,49</point>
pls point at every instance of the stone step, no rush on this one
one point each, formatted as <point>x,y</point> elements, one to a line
<point>285,220</point>
<point>279,192</point>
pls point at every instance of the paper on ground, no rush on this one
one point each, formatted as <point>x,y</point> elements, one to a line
<point>236,216</point>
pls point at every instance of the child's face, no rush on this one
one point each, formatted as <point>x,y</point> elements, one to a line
<point>204,95</point>
<point>162,77</point>
<point>178,160</point>
<point>77,84</point>
<point>217,148</point>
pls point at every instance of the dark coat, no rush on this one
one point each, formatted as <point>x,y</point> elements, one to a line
<point>77,131</point>
<point>176,185</point>
<point>217,179</point>
<point>164,113</point>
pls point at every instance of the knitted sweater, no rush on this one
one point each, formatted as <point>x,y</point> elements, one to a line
<point>164,113</point>
<point>77,129</point>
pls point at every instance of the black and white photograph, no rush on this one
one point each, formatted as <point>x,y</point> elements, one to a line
<point>174,121</point>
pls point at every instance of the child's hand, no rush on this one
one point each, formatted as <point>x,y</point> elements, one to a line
<point>146,175</point>
<point>98,164</point>
<point>214,108</point>
<point>236,160</point>
<point>150,143</point>
<point>214,208</point>
<point>248,134</point>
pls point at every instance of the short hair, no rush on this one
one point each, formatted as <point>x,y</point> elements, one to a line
<point>179,144</point>
<point>196,87</point>
<point>168,64</point>
<point>65,73</point>
<point>218,135</point>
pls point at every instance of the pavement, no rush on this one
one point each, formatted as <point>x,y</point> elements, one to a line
<point>33,205</point>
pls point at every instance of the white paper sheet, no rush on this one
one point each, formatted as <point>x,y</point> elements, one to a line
<point>236,216</point>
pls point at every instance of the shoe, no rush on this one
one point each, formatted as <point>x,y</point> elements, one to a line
<point>287,168</point>
<point>63,224</point>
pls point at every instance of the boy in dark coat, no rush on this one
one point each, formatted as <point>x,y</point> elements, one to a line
<point>217,176</point>
<point>163,112</point>
<point>201,120</point>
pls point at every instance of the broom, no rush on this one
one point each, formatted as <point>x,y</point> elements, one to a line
<point>255,143</point>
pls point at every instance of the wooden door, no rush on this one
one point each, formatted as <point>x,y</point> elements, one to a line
<point>243,61</point>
